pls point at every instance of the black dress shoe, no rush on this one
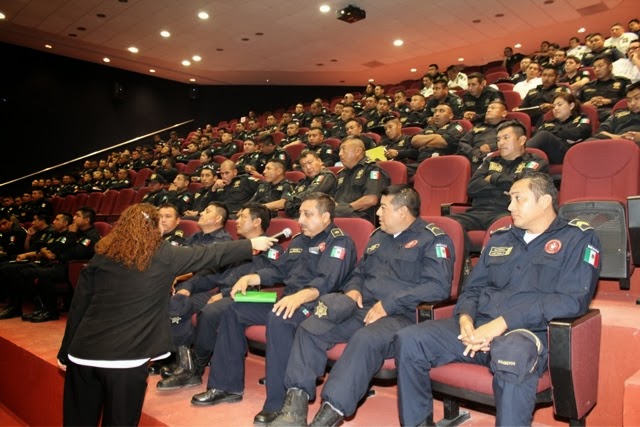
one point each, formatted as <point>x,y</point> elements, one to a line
<point>10,312</point>
<point>45,316</point>
<point>27,316</point>
<point>154,368</point>
<point>213,397</point>
<point>265,417</point>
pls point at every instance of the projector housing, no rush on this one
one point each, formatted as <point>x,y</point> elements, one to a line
<point>351,14</point>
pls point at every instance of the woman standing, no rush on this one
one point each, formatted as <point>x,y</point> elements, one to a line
<point>118,319</point>
<point>568,127</point>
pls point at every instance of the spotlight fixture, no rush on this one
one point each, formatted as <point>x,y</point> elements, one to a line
<point>351,14</point>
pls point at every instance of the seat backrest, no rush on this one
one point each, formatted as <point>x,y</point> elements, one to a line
<point>235,156</point>
<point>376,138</point>
<point>359,229</point>
<point>495,76</point>
<point>108,201</point>
<point>79,201</point>
<point>192,166</point>
<point>277,137</point>
<point>522,118</point>
<point>592,112</point>
<point>456,234</point>
<point>411,130</point>
<point>102,227</point>
<point>397,171</point>
<point>94,201</point>
<point>294,150</point>
<point>194,186</point>
<point>142,177</point>
<point>279,224</point>
<point>620,105</point>
<point>294,176</point>
<point>125,198</point>
<point>442,179</point>
<point>142,191</point>
<point>505,86</point>
<point>231,228</point>
<point>512,99</point>
<point>132,174</point>
<point>466,124</point>
<point>504,221</point>
<point>607,169</point>
<point>333,143</point>
<point>68,204</point>
<point>189,227</point>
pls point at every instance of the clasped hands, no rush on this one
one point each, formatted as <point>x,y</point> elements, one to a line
<point>479,339</point>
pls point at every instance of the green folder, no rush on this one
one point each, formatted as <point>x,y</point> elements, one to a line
<point>257,296</point>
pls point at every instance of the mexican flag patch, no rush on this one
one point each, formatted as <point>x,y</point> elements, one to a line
<point>338,252</point>
<point>591,256</point>
<point>273,254</point>
<point>442,251</point>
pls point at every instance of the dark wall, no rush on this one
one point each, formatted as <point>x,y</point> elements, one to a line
<point>54,109</point>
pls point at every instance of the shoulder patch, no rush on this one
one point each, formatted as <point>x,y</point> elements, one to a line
<point>582,225</point>
<point>374,231</point>
<point>501,229</point>
<point>435,230</point>
<point>336,232</point>
<point>179,233</point>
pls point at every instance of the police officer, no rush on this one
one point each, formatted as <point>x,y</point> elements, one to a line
<point>170,218</point>
<point>315,263</point>
<point>227,147</point>
<point>271,151</point>
<point>325,151</point>
<point>407,261</point>
<point>418,114</point>
<point>478,97</point>
<point>317,179</point>
<point>492,180</point>
<point>12,237</point>
<point>179,195</point>
<point>157,195</point>
<point>397,145</point>
<point>625,122</point>
<point>205,195</point>
<point>598,49</point>
<point>375,121</point>
<point>440,138</point>
<point>606,90</point>
<point>360,182</point>
<point>338,130</point>
<point>39,232</point>
<point>441,95</point>
<point>292,134</point>
<point>273,191</point>
<point>198,295</point>
<point>211,221</point>
<point>542,96</point>
<point>249,162</point>
<point>121,180</point>
<point>567,128</point>
<point>481,140</point>
<point>232,189</point>
<point>540,269</point>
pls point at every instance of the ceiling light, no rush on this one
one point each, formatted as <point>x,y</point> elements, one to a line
<point>413,70</point>
<point>203,15</point>
<point>152,70</point>
<point>517,45</point>
<point>48,46</point>
<point>186,63</point>
<point>325,8</point>
<point>398,43</point>
<point>2,15</point>
<point>133,49</point>
<point>267,80</point>
<point>192,80</point>
<point>582,30</point>
<point>460,59</point>
<point>106,59</point>
<point>165,33</point>
<point>371,80</point>
<point>196,58</point>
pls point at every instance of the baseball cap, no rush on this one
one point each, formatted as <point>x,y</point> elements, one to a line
<point>514,356</point>
<point>332,309</point>
<point>157,178</point>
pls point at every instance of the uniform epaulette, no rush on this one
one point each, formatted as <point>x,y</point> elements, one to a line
<point>621,113</point>
<point>336,232</point>
<point>179,233</point>
<point>501,229</point>
<point>435,230</point>
<point>582,225</point>
<point>374,231</point>
<point>295,235</point>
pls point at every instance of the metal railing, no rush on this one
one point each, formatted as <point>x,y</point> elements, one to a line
<point>138,138</point>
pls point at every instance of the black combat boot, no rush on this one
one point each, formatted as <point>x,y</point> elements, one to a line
<point>295,409</point>
<point>327,417</point>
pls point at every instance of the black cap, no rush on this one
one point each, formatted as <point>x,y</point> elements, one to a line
<point>332,309</point>
<point>157,178</point>
<point>514,356</point>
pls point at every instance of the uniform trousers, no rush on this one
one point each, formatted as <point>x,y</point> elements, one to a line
<point>116,393</point>
<point>227,371</point>
<point>555,147</point>
<point>430,344</point>
<point>20,280</point>
<point>367,348</point>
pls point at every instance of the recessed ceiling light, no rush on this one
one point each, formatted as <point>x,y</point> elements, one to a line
<point>165,33</point>
<point>517,45</point>
<point>582,30</point>
<point>106,59</point>
<point>203,15</point>
<point>413,70</point>
<point>152,70</point>
<point>2,15</point>
<point>325,8</point>
<point>267,80</point>
<point>460,59</point>
<point>133,49</point>
<point>398,43</point>
<point>371,80</point>
<point>186,63</point>
<point>192,80</point>
<point>48,46</point>
<point>196,58</point>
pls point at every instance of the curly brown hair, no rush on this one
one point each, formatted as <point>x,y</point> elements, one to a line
<point>134,239</point>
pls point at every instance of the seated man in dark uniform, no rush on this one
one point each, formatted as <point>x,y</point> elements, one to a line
<point>170,219</point>
<point>625,122</point>
<point>540,269</point>
<point>407,261</point>
<point>157,195</point>
<point>179,195</point>
<point>606,90</point>
<point>482,139</point>
<point>360,182</point>
<point>539,100</point>
<point>478,97</point>
<point>12,237</point>
<point>232,189</point>
<point>317,179</point>
<point>441,95</point>
<point>273,191</point>
<point>397,145</point>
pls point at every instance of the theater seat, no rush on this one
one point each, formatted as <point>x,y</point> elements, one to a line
<point>512,99</point>
<point>442,180</point>
<point>397,171</point>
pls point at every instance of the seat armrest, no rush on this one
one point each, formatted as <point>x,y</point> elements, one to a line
<point>574,359</point>
<point>453,208</point>
<point>435,310</point>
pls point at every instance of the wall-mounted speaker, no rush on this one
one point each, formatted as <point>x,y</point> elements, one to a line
<point>118,91</point>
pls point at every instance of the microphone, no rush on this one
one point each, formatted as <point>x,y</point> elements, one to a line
<point>286,233</point>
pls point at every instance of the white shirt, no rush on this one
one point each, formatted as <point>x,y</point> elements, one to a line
<point>578,51</point>
<point>622,42</point>
<point>525,86</point>
<point>623,67</point>
<point>427,91</point>
<point>459,81</point>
